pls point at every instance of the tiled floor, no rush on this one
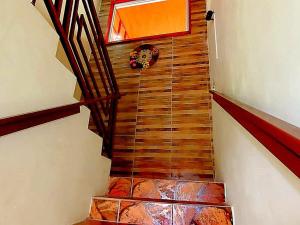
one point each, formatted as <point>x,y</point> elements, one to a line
<point>167,189</point>
<point>153,188</point>
<point>120,187</point>
<point>155,213</point>
<point>201,215</point>
<point>147,213</point>
<point>106,210</point>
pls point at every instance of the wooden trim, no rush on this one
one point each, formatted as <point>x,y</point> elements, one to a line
<point>175,34</point>
<point>279,137</point>
<point>24,121</point>
<point>20,122</point>
<point>159,36</point>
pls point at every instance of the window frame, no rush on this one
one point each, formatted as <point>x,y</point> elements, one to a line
<point>174,34</point>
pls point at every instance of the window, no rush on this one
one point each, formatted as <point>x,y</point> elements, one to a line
<point>142,19</point>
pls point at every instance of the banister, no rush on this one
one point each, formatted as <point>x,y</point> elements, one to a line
<point>279,137</point>
<point>20,122</point>
<point>72,26</point>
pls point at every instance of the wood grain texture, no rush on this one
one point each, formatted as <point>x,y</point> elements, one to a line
<point>164,127</point>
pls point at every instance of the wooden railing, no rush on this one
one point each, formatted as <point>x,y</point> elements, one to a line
<point>24,121</point>
<point>95,82</point>
<point>279,137</point>
<point>82,39</point>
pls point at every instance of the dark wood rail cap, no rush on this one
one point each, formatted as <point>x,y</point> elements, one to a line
<point>20,122</point>
<point>280,137</point>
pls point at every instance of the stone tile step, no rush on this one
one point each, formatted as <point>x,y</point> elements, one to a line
<point>157,213</point>
<point>167,201</point>
<point>97,222</point>
<point>177,190</point>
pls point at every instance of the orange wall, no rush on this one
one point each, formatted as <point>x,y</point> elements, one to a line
<point>157,18</point>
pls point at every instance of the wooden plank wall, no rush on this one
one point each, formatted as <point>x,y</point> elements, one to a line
<point>164,126</point>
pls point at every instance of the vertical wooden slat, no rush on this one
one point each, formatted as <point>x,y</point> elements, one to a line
<point>103,114</point>
<point>58,6</point>
<point>68,15</point>
<point>103,46</point>
<point>85,57</point>
<point>91,44</point>
<point>97,40</point>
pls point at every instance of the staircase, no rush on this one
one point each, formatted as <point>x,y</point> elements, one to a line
<point>129,200</point>
<point>160,201</point>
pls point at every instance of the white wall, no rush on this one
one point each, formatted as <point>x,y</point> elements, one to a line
<point>259,52</point>
<point>260,188</point>
<point>258,64</point>
<point>50,172</point>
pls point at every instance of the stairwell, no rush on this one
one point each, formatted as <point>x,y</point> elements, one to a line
<point>162,171</point>
<point>166,191</point>
<point>162,164</point>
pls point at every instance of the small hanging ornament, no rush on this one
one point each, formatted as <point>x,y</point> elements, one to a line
<point>143,56</point>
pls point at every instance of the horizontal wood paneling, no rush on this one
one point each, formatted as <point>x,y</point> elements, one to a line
<point>164,124</point>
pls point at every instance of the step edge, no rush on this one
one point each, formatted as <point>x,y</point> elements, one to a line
<point>180,180</point>
<point>171,202</point>
<point>108,222</point>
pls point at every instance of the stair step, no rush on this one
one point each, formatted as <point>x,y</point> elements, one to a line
<point>177,190</point>
<point>167,201</point>
<point>97,222</point>
<point>130,211</point>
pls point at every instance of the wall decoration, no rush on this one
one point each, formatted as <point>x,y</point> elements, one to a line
<point>143,56</point>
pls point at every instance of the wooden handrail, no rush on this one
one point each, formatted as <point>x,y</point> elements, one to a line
<point>20,122</point>
<point>279,137</point>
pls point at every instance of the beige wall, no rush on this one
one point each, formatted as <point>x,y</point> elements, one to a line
<point>258,64</point>
<point>259,51</point>
<point>49,172</point>
<point>260,188</point>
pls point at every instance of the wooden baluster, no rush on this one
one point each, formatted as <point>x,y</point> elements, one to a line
<point>68,15</point>
<point>103,47</point>
<point>58,5</point>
